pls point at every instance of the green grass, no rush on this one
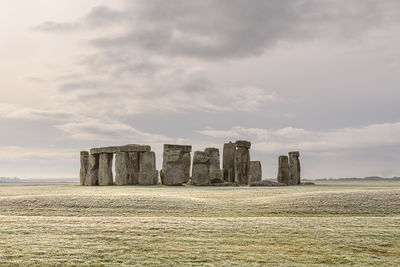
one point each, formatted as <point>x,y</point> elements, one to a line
<point>331,223</point>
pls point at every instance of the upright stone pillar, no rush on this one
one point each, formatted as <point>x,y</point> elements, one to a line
<point>255,173</point>
<point>283,170</point>
<point>148,174</point>
<point>294,168</point>
<point>105,169</point>
<point>84,166</point>
<point>176,164</point>
<point>228,162</point>
<point>133,167</point>
<point>215,169</point>
<point>92,177</point>
<point>242,162</point>
<point>201,168</point>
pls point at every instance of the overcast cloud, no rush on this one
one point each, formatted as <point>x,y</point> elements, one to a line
<point>321,77</point>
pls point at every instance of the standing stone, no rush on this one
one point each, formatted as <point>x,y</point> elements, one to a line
<point>228,162</point>
<point>148,174</point>
<point>92,177</point>
<point>126,168</point>
<point>283,170</point>
<point>215,170</point>
<point>255,173</point>
<point>84,166</point>
<point>186,165</point>
<point>173,168</point>
<point>201,168</point>
<point>105,169</point>
<point>242,162</point>
<point>176,164</point>
<point>294,168</point>
<point>133,167</point>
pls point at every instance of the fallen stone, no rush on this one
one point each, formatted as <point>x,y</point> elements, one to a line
<point>84,166</point>
<point>283,170</point>
<point>148,174</point>
<point>92,177</point>
<point>105,169</point>
<point>215,169</point>
<point>201,168</point>
<point>242,165</point>
<point>294,168</point>
<point>243,143</point>
<point>115,149</point>
<point>228,162</point>
<point>217,181</point>
<point>255,173</point>
<point>266,183</point>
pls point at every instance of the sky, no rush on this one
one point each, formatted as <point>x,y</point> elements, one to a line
<point>319,77</point>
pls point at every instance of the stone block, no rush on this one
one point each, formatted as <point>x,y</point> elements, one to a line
<point>215,169</point>
<point>126,168</point>
<point>201,168</point>
<point>228,162</point>
<point>148,174</point>
<point>92,176</point>
<point>105,169</point>
<point>242,165</point>
<point>125,148</point>
<point>294,168</point>
<point>173,167</point>
<point>283,170</point>
<point>255,173</point>
<point>84,166</point>
<point>243,143</point>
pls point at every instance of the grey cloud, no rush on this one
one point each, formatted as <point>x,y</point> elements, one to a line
<point>51,26</point>
<point>234,29</point>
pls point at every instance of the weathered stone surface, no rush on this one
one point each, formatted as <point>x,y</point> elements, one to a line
<point>228,162</point>
<point>266,183</point>
<point>294,168</point>
<point>201,168</point>
<point>283,170</point>
<point>105,169</point>
<point>242,165</point>
<point>183,148</point>
<point>84,166</point>
<point>133,167</point>
<point>126,168</point>
<point>186,165</point>
<point>215,169</point>
<point>255,173</point>
<point>115,149</point>
<point>173,167</point>
<point>243,143</point>
<point>92,177</point>
<point>148,174</point>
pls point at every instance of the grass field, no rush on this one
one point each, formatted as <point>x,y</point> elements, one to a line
<point>331,223</point>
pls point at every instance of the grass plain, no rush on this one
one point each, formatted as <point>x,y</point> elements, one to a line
<point>331,223</point>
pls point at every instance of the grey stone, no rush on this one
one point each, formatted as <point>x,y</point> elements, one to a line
<point>105,169</point>
<point>242,165</point>
<point>186,165</point>
<point>92,177</point>
<point>126,168</point>
<point>243,143</point>
<point>201,168</point>
<point>84,166</point>
<point>215,169</point>
<point>148,174</point>
<point>294,168</point>
<point>283,170</point>
<point>255,173</point>
<point>115,149</point>
<point>173,167</point>
<point>228,162</point>
<point>266,183</point>
<point>183,148</point>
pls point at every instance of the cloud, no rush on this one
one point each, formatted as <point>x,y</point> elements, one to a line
<point>12,111</point>
<point>313,142</point>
